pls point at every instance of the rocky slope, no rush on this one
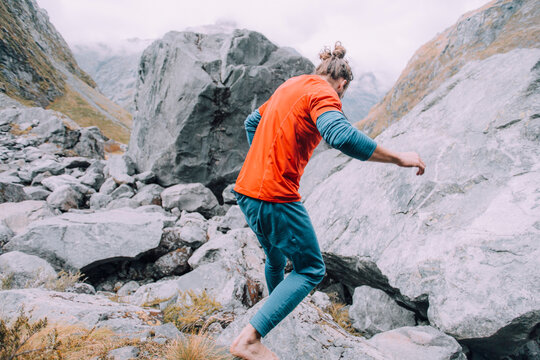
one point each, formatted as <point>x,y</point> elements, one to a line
<point>38,68</point>
<point>114,67</point>
<point>364,92</point>
<point>458,245</point>
<point>193,94</point>
<point>497,27</point>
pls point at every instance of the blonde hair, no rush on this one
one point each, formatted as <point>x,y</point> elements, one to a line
<point>334,64</point>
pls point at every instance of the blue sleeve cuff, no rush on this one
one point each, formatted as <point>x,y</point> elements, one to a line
<point>251,123</point>
<point>338,132</point>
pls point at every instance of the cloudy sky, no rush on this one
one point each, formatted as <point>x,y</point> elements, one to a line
<point>380,36</point>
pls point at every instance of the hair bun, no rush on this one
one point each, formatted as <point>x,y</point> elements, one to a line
<point>339,50</point>
<point>325,54</point>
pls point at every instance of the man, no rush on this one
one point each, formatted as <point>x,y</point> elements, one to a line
<point>282,134</point>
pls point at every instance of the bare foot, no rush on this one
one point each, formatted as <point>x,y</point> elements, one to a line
<point>248,346</point>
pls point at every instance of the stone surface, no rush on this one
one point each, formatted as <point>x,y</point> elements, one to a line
<point>453,244</point>
<point>228,286</point>
<point>228,196</point>
<point>81,288</point>
<point>77,241</point>
<point>128,288</point>
<point>16,216</point>
<point>5,235</point>
<point>321,300</point>
<point>54,182</point>
<point>190,197</point>
<point>418,342</point>
<point>174,263</point>
<point>65,198</point>
<point>149,195</point>
<point>193,94</point>
<point>108,186</point>
<point>94,176</point>
<point>82,309</point>
<point>123,191</point>
<point>21,270</point>
<point>10,192</point>
<point>307,333</point>
<point>118,165</point>
<point>99,201</point>
<point>124,353</point>
<point>373,311</point>
<point>36,192</point>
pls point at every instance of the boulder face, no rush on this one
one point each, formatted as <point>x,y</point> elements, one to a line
<point>455,243</point>
<point>497,27</point>
<point>194,92</point>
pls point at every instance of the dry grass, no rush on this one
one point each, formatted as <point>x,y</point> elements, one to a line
<point>192,312</point>
<point>63,281</point>
<point>75,107</point>
<point>197,347</point>
<point>340,314</point>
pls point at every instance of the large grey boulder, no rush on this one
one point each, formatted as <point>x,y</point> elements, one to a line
<point>20,270</point>
<point>193,94</point>
<point>80,309</point>
<point>10,192</point>
<point>418,342</point>
<point>65,198</point>
<point>190,197</point>
<point>373,311</point>
<point>309,333</point>
<point>453,244</point>
<point>149,195</point>
<point>16,216</point>
<point>78,240</point>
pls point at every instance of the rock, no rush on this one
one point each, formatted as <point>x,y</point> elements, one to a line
<point>94,176</point>
<point>193,132</point>
<point>128,288</point>
<point>228,196</point>
<point>225,284</point>
<point>307,333</point>
<point>174,263</point>
<point>373,311</point>
<point>91,143</point>
<point>54,182</point>
<point>149,195</point>
<point>122,203</point>
<point>167,331</point>
<point>5,235</point>
<point>65,198</point>
<point>192,236</point>
<point>321,300</point>
<point>20,270</point>
<point>81,288</point>
<point>36,192</point>
<point>123,191</point>
<point>146,177</point>
<point>16,216</point>
<point>45,165</point>
<point>124,179</point>
<point>453,244</point>
<point>190,197</point>
<point>233,219</point>
<point>99,201</point>
<point>10,192</point>
<point>76,241</point>
<point>76,162</point>
<point>118,165</point>
<point>108,186</point>
<point>418,342</point>
<point>321,167</point>
<point>124,353</point>
<point>81,309</point>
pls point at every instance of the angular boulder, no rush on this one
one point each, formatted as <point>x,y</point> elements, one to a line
<point>20,270</point>
<point>77,240</point>
<point>10,192</point>
<point>453,244</point>
<point>16,216</point>
<point>190,197</point>
<point>193,94</point>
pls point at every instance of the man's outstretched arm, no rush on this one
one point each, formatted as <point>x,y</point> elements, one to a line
<point>340,134</point>
<point>251,123</point>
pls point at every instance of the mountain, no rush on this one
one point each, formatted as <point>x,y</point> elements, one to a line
<point>364,92</point>
<point>37,68</point>
<point>114,67</point>
<point>497,27</point>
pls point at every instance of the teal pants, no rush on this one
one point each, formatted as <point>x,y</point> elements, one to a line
<point>284,231</point>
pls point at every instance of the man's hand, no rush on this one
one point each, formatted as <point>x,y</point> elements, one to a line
<point>411,159</point>
<point>404,159</point>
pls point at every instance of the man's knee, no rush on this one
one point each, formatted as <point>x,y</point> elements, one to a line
<point>317,273</point>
